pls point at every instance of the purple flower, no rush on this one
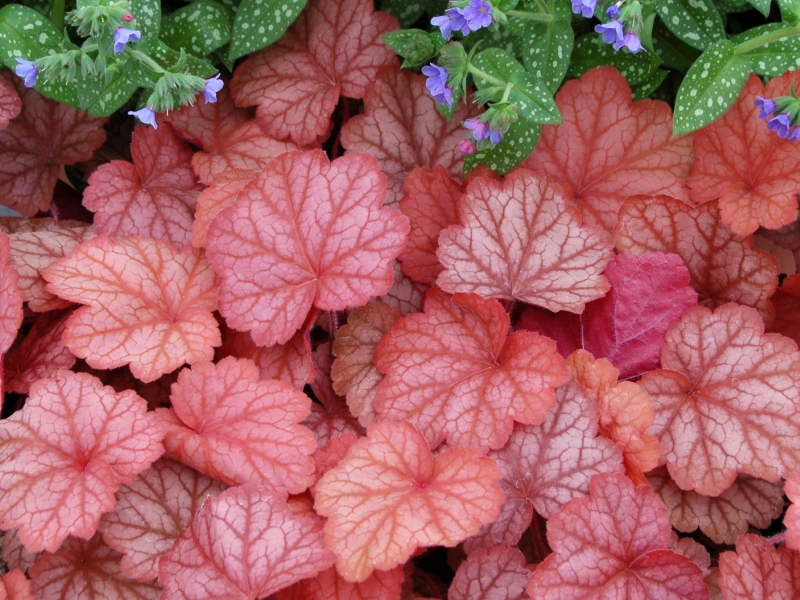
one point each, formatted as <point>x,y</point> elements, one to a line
<point>495,136</point>
<point>794,136</point>
<point>450,21</point>
<point>584,7</point>
<point>145,115</point>
<point>28,70</point>
<point>767,107</point>
<point>479,129</point>
<point>780,124</point>
<point>631,41</point>
<point>468,146</point>
<point>478,14</point>
<point>123,35</point>
<point>210,89</point>
<point>612,12</point>
<point>437,84</point>
<point>613,32</point>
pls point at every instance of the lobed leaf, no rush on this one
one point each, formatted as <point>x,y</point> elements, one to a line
<point>10,300</point>
<point>329,585</point>
<point>499,573</point>
<point>15,586</point>
<point>10,103</point>
<point>218,196</point>
<point>791,519</point>
<point>758,570</point>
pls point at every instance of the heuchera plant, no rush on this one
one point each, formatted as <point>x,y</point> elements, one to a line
<point>280,318</point>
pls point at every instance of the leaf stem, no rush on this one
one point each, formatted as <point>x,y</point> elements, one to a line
<point>761,40</point>
<point>147,61</point>
<point>777,539</point>
<point>531,16</point>
<point>476,72</point>
<point>57,14</point>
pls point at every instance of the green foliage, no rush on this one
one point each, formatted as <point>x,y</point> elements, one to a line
<point>199,28</point>
<point>259,23</point>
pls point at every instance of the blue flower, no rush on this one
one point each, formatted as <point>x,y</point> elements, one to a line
<point>210,89</point>
<point>631,41</point>
<point>478,14</point>
<point>123,35</point>
<point>767,107</point>
<point>612,11</point>
<point>780,124</point>
<point>437,84</point>
<point>482,131</point>
<point>795,135</point>
<point>613,32</point>
<point>584,7</point>
<point>28,70</point>
<point>145,115</point>
<point>450,21</point>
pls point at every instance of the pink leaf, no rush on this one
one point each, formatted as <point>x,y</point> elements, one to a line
<point>14,586</point>
<point>615,540</point>
<point>245,544</point>
<point>151,511</point>
<point>153,197</point>
<point>522,239</point>
<point>758,571</point>
<point>405,294</point>
<point>10,103</point>
<point>495,574</point>
<point>226,423</point>
<point>329,585</point>
<point>15,555</point>
<point>149,305</point>
<point>305,232</point>
<point>456,374</point>
<point>792,517</point>
<point>727,399</point>
<point>10,301</point>
<point>334,47</point>
<point>221,194</point>
<point>64,454</point>
<point>388,497</point>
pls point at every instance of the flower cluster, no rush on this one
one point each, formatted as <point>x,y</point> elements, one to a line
<point>623,29</point>
<point>584,7</point>
<point>27,70</point>
<point>123,35</point>
<point>211,86</point>
<point>782,115</point>
<point>437,84</point>
<point>465,17</point>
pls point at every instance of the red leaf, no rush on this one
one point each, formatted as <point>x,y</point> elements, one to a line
<point>403,130</point>
<point>10,301</point>
<point>496,574</point>
<point>615,540</point>
<point>10,103</point>
<point>64,454</point>
<point>609,148</point>
<point>246,544</point>
<point>221,194</point>
<point>149,305</point>
<point>455,373</point>
<point>758,571</point>
<point>522,239</point>
<point>334,47</point>
<point>727,399</point>
<point>88,570</point>
<point>388,497</point>
<point>725,517</point>
<point>786,301</point>
<point>15,555</point>
<point>752,171</point>
<point>14,586</point>
<point>545,466</point>
<point>353,372</point>
<point>304,232</point>
<point>329,585</point>
<point>791,519</point>
<point>153,197</point>
<point>45,136</point>
<point>226,423</point>
<point>40,354</point>
<point>723,267</point>
<point>151,511</point>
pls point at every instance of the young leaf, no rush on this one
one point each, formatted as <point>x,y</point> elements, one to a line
<point>696,22</point>
<point>720,368</point>
<point>455,373</point>
<point>758,570</point>
<point>10,103</point>
<point>304,232</point>
<point>259,24</point>
<point>65,453</point>
<point>151,511</point>
<point>148,305</point>
<point>499,573</point>
<point>522,239</point>
<point>227,424</point>
<point>546,51</point>
<point>615,540</point>
<point>247,543</point>
<point>403,130</point>
<point>198,28</point>
<point>751,170</point>
<point>388,497</point>
<point>329,585</point>
<point>153,197</point>
<point>10,299</point>
<point>333,48</point>
<point>610,148</point>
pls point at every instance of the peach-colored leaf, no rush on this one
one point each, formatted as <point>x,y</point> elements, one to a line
<point>727,399</point>
<point>754,173</point>
<point>334,47</point>
<point>615,541</point>
<point>64,454</point>
<point>723,267</point>
<point>759,571</point>
<point>11,225</point>
<point>151,511</point>
<point>786,301</point>
<point>305,232</point>
<point>723,518</point>
<point>456,374</point>
<point>31,251</point>
<point>609,148</point>
<point>353,372</point>
<point>152,197</point>
<point>692,550</point>
<point>499,573</point>
<point>388,497</point>
<point>149,305</point>
<point>245,544</point>
<point>14,586</point>
<point>329,585</point>
<point>405,294</point>
<point>403,130</point>
<point>40,354</point>
<point>522,239</point>
<point>89,570</point>
<point>221,193</point>
<point>10,300</point>
<point>10,103</point>
<point>34,146</point>
<point>792,517</point>
<point>545,466</point>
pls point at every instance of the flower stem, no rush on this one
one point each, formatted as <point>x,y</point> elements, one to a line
<point>761,40</point>
<point>147,61</point>
<point>522,14</point>
<point>507,92</point>
<point>476,72</point>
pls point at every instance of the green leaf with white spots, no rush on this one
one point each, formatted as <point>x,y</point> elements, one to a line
<point>497,64</point>
<point>534,101</point>
<point>546,51</point>
<point>102,96</point>
<point>406,11</point>
<point>259,23</point>
<point>733,6</point>
<point>790,11</point>
<point>147,17</point>
<point>647,87</point>
<point>761,6</point>
<point>503,38</point>
<point>590,52</point>
<point>199,28</point>
<point>416,46</point>
<point>772,58</point>
<point>518,142</point>
<point>674,53</point>
<point>166,57</point>
<point>710,87</point>
<point>696,22</point>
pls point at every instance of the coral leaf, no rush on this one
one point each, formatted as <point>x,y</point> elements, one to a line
<point>405,294</point>
<point>15,555</point>
<point>388,497</point>
<point>329,585</point>
<point>792,517</point>
<point>496,574</point>
<point>14,586</point>
<point>758,571</point>
<point>305,231</point>
<point>64,454</point>
<point>786,301</point>
<point>10,103</point>
<point>149,305</point>
<point>221,194</point>
<point>10,300</point>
